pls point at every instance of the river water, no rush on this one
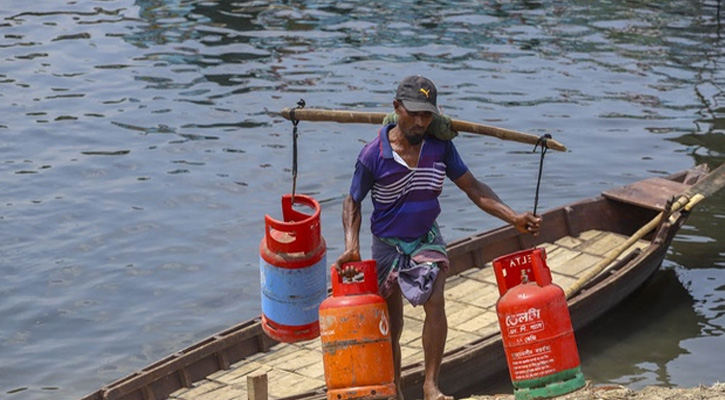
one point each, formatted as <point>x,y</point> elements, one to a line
<point>140,152</point>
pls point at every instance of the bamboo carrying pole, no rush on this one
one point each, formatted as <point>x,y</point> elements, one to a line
<point>310,114</point>
<point>709,185</point>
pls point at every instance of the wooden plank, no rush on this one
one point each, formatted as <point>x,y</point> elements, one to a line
<point>417,313</point>
<point>563,281</point>
<point>590,234</point>
<point>569,242</point>
<point>549,247</point>
<point>313,344</point>
<point>484,274</point>
<point>475,280</point>
<point>197,390</point>
<point>226,392</point>
<point>483,295</point>
<point>577,265</point>
<point>284,383</point>
<point>278,350</point>
<point>652,193</point>
<point>462,289</point>
<point>454,306</point>
<point>314,371</point>
<point>458,338</point>
<point>411,355</point>
<point>462,316</point>
<point>239,372</point>
<point>602,244</point>
<point>480,324</point>
<point>412,331</point>
<point>474,292</point>
<point>297,359</point>
<point>477,274</point>
<point>490,277</point>
<point>560,256</point>
<point>455,280</point>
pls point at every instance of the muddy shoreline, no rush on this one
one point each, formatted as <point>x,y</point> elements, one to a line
<point>617,392</point>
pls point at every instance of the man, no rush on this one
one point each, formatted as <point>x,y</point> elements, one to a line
<point>404,169</point>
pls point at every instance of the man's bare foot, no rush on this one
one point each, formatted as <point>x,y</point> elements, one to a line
<point>435,394</point>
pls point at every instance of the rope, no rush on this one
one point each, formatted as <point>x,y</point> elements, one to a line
<point>544,147</point>
<point>295,135</point>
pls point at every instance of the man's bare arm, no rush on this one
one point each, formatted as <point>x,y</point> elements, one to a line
<point>487,200</point>
<point>351,221</point>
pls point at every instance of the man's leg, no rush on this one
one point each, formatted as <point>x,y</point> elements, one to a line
<point>395,310</point>
<point>435,331</point>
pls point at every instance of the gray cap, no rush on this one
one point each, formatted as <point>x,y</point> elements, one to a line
<point>418,94</point>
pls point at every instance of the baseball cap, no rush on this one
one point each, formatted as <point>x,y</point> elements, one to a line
<point>418,94</point>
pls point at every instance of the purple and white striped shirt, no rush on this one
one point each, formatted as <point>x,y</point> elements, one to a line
<point>405,200</point>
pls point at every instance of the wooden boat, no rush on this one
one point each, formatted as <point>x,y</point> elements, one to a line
<point>577,237</point>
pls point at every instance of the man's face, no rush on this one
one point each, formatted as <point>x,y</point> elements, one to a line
<point>412,124</point>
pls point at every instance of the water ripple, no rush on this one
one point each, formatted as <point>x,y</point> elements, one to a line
<point>142,147</point>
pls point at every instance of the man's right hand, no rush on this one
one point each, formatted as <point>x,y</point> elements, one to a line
<point>348,256</point>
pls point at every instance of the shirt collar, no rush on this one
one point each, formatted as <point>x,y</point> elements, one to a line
<point>386,150</point>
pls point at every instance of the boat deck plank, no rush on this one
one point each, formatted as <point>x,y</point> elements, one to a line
<point>470,305</point>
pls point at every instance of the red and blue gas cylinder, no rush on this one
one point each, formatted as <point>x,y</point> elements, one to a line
<point>292,267</point>
<point>357,353</point>
<point>536,328</point>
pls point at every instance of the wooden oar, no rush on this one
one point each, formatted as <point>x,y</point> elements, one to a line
<point>709,185</point>
<point>310,114</point>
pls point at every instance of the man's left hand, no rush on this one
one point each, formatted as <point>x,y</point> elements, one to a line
<point>528,223</point>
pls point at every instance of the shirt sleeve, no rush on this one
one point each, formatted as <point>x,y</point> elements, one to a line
<point>455,167</point>
<point>362,182</point>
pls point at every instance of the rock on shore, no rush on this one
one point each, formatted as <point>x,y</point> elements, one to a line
<point>616,392</point>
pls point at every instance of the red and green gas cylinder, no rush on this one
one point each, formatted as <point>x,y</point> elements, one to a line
<point>536,328</point>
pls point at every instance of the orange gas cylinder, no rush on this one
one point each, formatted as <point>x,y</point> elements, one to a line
<point>536,327</point>
<point>355,332</point>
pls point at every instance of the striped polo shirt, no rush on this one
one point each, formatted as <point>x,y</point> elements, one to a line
<point>405,200</point>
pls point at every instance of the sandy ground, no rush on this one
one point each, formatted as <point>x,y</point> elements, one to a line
<point>615,392</point>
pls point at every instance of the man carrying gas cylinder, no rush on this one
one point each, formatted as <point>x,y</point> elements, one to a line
<point>404,168</point>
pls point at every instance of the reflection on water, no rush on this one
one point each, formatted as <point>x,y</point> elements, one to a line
<point>140,152</point>
<point>622,348</point>
<point>659,336</point>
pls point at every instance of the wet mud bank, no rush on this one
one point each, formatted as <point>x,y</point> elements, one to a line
<point>616,392</point>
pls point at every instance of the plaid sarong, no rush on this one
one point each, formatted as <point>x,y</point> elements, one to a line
<point>413,266</point>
